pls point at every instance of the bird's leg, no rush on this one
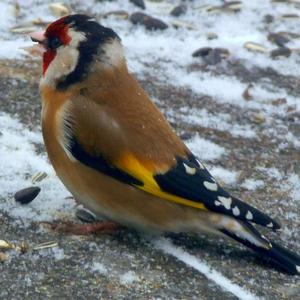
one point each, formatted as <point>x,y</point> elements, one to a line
<point>106,227</point>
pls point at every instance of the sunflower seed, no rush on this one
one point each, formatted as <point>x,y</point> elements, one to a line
<point>25,196</point>
<point>178,10</point>
<point>85,215</point>
<point>278,39</point>
<point>282,51</point>
<point>149,22</point>
<point>139,3</point>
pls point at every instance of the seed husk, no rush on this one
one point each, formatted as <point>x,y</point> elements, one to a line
<point>85,215</point>
<point>38,177</point>
<point>45,245</point>
<point>251,46</point>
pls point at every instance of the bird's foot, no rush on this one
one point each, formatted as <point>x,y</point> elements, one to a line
<point>106,227</point>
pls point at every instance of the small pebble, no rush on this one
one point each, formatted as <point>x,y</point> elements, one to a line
<point>278,39</point>
<point>202,52</point>
<point>85,215</point>
<point>282,51</point>
<point>149,22</point>
<point>246,94</point>
<point>211,56</point>
<point>139,3</point>
<point>25,196</point>
<point>268,19</point>
<point>178,10</point>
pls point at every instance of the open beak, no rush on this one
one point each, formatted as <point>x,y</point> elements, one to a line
<point>38,49</point>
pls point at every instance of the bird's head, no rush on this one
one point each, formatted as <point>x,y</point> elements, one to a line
<point>72,46</point>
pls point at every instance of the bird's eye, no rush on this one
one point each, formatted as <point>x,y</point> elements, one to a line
<point>54,43</point>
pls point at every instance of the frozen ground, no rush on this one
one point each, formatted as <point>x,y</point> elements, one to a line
<point>251,143</point>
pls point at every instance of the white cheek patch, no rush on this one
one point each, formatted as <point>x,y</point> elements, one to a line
<point>113,54</point>
<point>66,59</point>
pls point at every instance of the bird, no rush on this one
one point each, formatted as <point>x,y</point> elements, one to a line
<point>119,156</point>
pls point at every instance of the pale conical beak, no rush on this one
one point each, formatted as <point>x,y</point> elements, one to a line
<point>38,49</point>
<point>38,36</point>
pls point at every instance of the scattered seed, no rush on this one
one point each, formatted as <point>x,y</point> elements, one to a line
<point>229,6</point>
<point>177,24</point>
<point>45,245</point>
<point>3,257</point>
<point>121,14</point>
<point>282,51</point>
<point>211,56</point>
<point>246,94</point>
<point>139,3</point>
<point>85,215</point>
<point>22,29</point>
<point>149,22</point>
<point>39,22</point>
<point>289,16</point>
<point>278,39</point>
<point>178,10</point>
<point>38,177</point>
<point>268,19</point>
<point>258,118</point>
<point>211,36</point>
<point>25,196</point>
<point>279,101</point>
<point>4,245</point>
<point>202,52</point>
<point>251,46</point>
<point>58,9</point>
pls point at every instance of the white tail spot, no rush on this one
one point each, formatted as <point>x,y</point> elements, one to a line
<point>236,211</point>
<point>189,170</point>
<point>226,201</point>
<point>210,186</point>
<point>270,225</point>
<point>249,215</point>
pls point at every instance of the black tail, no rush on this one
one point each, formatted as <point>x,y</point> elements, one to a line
<point>251,238</point>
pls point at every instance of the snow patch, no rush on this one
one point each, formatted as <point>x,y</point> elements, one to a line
<point>205,150</point>
<point>253,184</point>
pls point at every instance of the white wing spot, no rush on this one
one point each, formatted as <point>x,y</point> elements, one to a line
<point>298,269</point>
<point>200,164</point>
<point>270,225</point>
<point>249,215</point>
<point>189,170</point>
<point>210,186</point>
<point>217,203</point>
<point>236,211</point>
<point>226,201</point>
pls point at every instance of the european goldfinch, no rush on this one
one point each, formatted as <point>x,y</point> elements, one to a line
<point>118,155</point>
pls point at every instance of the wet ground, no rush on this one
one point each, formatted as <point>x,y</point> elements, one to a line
<point>126,266</point>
